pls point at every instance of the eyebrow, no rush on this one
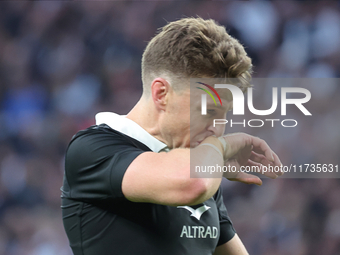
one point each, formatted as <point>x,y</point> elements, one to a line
<point>216,106</point>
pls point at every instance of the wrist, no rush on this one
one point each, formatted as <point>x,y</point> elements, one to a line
<point>224,143</point>
<point>217,143</point>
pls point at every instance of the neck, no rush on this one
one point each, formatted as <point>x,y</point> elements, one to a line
<point>145,115</point>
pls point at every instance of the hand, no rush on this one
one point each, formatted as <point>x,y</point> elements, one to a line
<point>246,150</point>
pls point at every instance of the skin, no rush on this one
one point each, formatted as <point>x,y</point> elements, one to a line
<point>168,114</point>
<point>165,114</point>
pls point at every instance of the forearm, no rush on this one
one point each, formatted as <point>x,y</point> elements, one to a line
<point>165,178</point>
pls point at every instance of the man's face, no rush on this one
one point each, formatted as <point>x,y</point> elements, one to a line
<point>185,126</point>
<point>202,126</point>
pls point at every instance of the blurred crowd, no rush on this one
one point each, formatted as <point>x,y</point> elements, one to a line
<point>62,62</point>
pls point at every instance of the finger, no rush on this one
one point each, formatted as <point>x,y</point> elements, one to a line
<point>261,147</point>
<point>262,170</point>
<point>277,162</point>
<point>257,167</point>
<point>247,178</point>
<point>259,158</point>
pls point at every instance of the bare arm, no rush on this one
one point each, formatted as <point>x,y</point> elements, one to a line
<point>164,178</point>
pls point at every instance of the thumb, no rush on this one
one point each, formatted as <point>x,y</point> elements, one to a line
<point>247,178</point>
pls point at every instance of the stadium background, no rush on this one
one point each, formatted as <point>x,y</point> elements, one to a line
<point>62,62</point>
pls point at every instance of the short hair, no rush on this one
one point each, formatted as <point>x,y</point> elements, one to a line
<point>194,48</point>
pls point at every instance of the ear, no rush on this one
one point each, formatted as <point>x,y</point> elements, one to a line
<point>160,89</point>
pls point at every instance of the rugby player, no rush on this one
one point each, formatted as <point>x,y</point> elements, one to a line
<point>127,188</point>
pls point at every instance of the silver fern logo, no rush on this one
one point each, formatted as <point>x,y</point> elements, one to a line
<point>196,213</point>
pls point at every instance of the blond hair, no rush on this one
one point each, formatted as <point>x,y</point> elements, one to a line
<point>195,48</point>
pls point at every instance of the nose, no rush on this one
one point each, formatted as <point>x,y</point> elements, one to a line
<point>218,130</point>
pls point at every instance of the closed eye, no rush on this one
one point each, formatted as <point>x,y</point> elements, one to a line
<point>211,111</point>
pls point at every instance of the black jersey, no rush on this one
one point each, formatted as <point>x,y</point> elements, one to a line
<point>99,220</point>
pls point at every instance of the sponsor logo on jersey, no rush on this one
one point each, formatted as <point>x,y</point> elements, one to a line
<point>196,213</point>
<point>199,232</point>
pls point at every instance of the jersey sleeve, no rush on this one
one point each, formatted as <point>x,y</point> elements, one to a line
<point>95,163</point>
<point>227,230</point>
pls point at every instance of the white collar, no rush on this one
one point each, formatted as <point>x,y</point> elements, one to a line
<point>130,128</point>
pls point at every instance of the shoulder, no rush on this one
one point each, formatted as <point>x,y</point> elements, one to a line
<point>97,143</point>
<point>95,132</point>
<point>99,136</point>
<point>96,160</point>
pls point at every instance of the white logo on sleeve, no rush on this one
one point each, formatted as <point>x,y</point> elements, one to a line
<point>196,213</point>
